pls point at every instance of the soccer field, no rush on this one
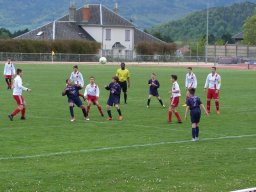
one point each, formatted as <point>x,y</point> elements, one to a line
<point>142,153</point>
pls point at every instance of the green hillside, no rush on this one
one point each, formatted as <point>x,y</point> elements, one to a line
<point>222,20</point>
<point>21,14</point>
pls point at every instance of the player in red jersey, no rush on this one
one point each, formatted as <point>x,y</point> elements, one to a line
<point>213,83</point>
<point>174,100</point>
<point>91,94</point>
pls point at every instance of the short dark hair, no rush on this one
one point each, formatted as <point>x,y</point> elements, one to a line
<point>214,68</point>
<point>154,74</point>
<point>75,66</point>
<point>175,77</point>
<point>67,80</point>
<point>115,78</point>
<point>122,64</point>
<point>91,77</point>
<point>189,68</point>
<point>18,71</point>
<point>192,91</point>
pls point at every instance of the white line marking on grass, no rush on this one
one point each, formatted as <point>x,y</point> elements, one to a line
<point>118,148</point>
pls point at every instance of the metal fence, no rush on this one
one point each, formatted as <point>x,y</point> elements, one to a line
<point>60,57</point>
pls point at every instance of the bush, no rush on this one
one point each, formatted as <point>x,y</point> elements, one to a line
<point>59,46</point>
<point>156,48</point>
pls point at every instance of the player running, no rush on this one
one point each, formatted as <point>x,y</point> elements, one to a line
<point>114,97</point>
<point>77,78</point>
<point>17,95</point>
<point>72,92</point>
<point>174,100</point>
<point>91,94</point>
<point>190,82</point>
<point>193,104</point>
<point>153,90</point>
<point>9,72</point>
<point>213,83</point>
<point>124,76</point>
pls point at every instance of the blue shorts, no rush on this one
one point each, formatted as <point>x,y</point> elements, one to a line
<point>195,115</point>
<point>113,101</point>
<point>154,93</point>
<point>76,101</point>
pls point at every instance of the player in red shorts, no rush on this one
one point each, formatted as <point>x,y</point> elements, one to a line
<point>17,95</point>
<point>9,72</point>
<point>91,94</point>
<point>213,83</point>
<point>174,101</point>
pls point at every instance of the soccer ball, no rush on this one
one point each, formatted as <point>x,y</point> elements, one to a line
<point>103,60</point>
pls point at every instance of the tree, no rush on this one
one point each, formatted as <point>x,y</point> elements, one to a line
<point>250,30</point>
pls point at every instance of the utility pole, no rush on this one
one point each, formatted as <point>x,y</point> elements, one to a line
<point>207,33</point>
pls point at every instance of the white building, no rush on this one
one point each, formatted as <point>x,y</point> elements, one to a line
<point>95,22</point>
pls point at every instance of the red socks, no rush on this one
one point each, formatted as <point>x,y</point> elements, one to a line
<point>15,112</point>
<point>23,111</point>
<point>208,106</point>
<point>100,110</point>
<point>217,105</point>
<point>170,116</point>
<point>178,116</point>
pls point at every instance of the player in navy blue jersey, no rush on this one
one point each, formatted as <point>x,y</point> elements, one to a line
<point>72,92</point>
<point>114,97</point>
<point>153,90</point>
<point>194,104</point>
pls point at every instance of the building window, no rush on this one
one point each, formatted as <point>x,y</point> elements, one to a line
<point>127,35</point>
<point>108,34</point>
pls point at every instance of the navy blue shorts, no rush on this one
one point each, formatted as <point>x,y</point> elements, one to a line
<point>113,101</point>
<point>195,116</point>
<point>76,101</point>
<point>154,93</point>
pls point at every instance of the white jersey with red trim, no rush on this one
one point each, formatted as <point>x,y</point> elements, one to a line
<point>213,81</point>
<point>191,81</point>
<point>9,69</point>
<point>176,90</point>
<point>92,90</point>
<point>17,86</point>
<point>77,78</point>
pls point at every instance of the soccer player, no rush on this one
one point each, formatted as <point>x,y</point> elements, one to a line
<point>174,100</point>
<point>77,78</point>
<point>9,72</point>
<point>114,97</point>
<point>72,92</point>
<point>213,83</point>
<point>92,93</point>
<point>124,76</point>
<point>190,82</point>
<point>17,95</point>
<point>153,86</point>
<point>193,104</point>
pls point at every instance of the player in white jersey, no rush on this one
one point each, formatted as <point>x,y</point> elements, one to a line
<point>9,72</point>
<point>17,95</point>
<point>77,78</point>
<point>91,94</point>
<point>190,82</point>
<point>174,100</point>
<point>213,83</point>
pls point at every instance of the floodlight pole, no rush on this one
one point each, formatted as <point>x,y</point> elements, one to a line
<point>207,33</point>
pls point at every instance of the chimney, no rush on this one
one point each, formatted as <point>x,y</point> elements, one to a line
<point>72,11</point>
<point>116,9</point>
<point>86,13</point>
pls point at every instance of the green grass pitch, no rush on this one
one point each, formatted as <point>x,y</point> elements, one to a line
<point>142,153</point>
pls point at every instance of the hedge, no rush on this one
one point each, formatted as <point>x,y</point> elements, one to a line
<point>58,46</point>
<point>146,48</point>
